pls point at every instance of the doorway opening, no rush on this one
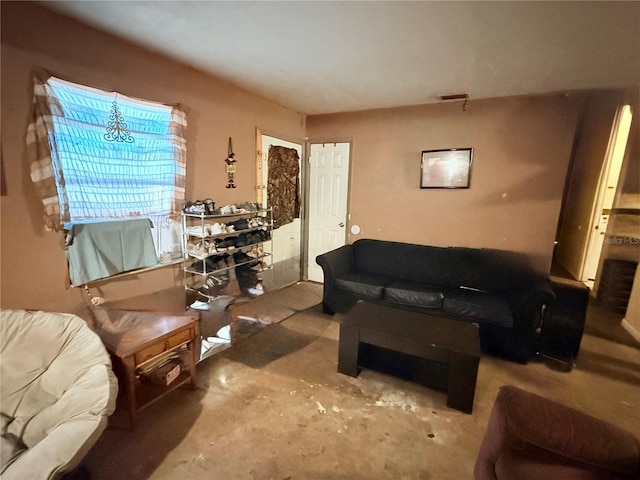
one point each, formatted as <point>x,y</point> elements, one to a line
<point>599,227</point>
<point>279,186</point>
<point>605,195</point>
<point>590,192</point>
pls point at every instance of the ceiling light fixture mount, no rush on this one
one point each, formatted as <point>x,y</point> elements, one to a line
<point>457,96</point>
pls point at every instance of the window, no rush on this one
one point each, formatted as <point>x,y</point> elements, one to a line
<point>101,156</point>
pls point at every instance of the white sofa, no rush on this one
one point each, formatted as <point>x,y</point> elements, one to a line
<point>57,392</point>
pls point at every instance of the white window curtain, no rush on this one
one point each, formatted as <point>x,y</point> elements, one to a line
<point>99,156</point>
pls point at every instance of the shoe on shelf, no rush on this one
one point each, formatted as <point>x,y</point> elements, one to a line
<point>197,249</point>
<point>216,229</point>
<point>198,305</point>
<point>256,252</point>
<point>213,281</point>
<point>209,206</point>
<point>257,290</point>
<point>249,207</point>
<point>197,207</point>
<point>241,224</point>
<point>212,261</point>
<point>197,231</point>
<point>232,242</point>
<point>218,262</point>
<point>212,285</point>
<point>222,245</point>
<point>265,234</point>
<point>241,257</point>
<point>241,240</point>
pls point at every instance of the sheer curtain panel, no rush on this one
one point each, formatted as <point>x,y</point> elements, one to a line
<point>82,172</point>
<point>98,156</point>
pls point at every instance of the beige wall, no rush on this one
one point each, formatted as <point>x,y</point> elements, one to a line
<point>521,152</point>
<point>521,148</point>
<point>33,265</point>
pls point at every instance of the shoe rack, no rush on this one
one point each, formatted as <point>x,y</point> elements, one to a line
<point>213,245</point>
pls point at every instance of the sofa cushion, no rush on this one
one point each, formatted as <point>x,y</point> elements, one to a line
<point>413,293</point>
<point>478,305</point>
<point>483,268</point>
<point>405,261</point>
<point>361,284</point>
<point>490,269</point>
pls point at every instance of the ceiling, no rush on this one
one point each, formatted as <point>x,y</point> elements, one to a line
<point>337,56</point>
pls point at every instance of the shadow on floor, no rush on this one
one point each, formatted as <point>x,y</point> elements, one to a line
<point>114,447</point>
<point>275,342</point>
<point>609,367</point>
<point>607,325</point>
<point>600,322</point>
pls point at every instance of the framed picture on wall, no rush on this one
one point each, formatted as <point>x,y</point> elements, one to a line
<point>450,168</point>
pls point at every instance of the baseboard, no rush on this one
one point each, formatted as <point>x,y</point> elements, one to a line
<point>635,333</point>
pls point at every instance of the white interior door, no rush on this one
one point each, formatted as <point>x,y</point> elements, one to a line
<point>605,196</point>
<point>287,239</point>
<point>328,190</point>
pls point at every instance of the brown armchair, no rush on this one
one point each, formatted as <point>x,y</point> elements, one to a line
<point>531,437</point>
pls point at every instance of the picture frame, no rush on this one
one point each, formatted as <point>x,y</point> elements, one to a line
<point>446,168</point>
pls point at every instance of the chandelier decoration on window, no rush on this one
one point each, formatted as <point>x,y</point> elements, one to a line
<point>117,129</point>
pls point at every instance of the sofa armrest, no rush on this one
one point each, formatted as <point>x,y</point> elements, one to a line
<point>539,292</point>
<point>336,262</point>
<point>527,305</point>
<point>522,421</point>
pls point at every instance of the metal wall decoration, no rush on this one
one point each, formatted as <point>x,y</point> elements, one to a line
<point>117,129</point>
<point>230,166</point>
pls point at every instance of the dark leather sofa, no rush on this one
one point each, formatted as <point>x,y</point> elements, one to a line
<point>495,288</point>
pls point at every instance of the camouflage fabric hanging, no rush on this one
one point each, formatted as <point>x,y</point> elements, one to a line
<point>283,186</point>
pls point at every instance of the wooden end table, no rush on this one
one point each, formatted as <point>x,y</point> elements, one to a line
<point>449,342</point>
<point>137,339</point>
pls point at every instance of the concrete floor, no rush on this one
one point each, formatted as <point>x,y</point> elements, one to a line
<point>273,407</point>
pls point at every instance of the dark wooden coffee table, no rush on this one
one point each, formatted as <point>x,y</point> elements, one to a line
<point>450,342</point>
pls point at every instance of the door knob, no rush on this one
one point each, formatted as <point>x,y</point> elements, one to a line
<point>341,224</point>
